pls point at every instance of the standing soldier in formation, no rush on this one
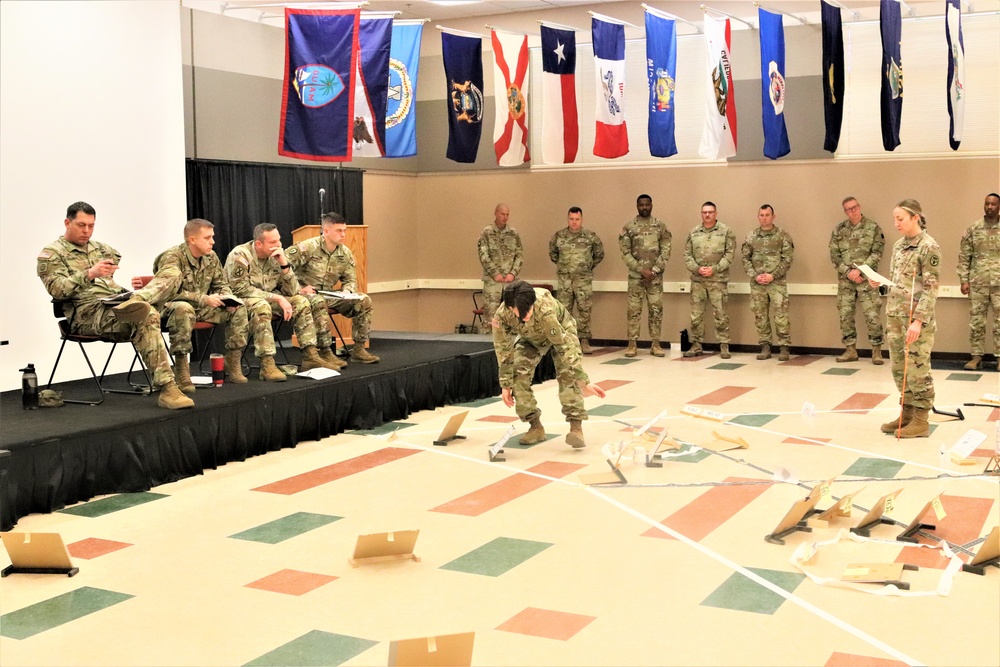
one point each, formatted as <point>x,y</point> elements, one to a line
<point>708,254</point>
<point>767,256</point>
<point>501,254</point>
<point>979,274</point>
<point>576,252</point>
<point>645,245</point>
<point>856,241</point>
<point>319,264</point>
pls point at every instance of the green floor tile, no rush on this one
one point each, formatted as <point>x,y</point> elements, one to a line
<point>753,420</point>
<point>56,611</point>
<point>742,594</point>
<point>122,501</point>
<point>608,410</point>
<point>515,441</point>
<point>286,528</point>
<point>865,467</point>
<point>384,429</point>
<point>480,403</point>
<point>964,377</point>
<point>727,366</point>
<point>316,648</point>
<point>688,454</point>
<point>840,371</point>
<point>620,361</point>
<point>496,557</point>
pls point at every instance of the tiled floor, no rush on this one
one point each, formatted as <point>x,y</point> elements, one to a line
<point>248,564</point>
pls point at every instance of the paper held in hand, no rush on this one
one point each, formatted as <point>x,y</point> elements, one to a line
<point>871,274</point>
<point>350,296</point>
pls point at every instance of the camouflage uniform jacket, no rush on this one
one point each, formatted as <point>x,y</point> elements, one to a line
<point>576,253</point>
<point>859,244</point>
<point>768,252</point>
<point>645,244</point>
<point>715,247</point>
<point>199,276</point>
<point>548,326</point>
<point>315,265</point>
<point>979,254</point>
<point>63,268</point>
<point>920,258</point>
<point>258,278</point>
<point>500,251</point>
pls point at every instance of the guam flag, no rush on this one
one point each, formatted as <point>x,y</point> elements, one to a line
<point>956,71</point>
<point>401,111</point>
<point>321,51</point>
<point>371,87</point>
<point>772,84</point>
<point>560,126</point>
<point>463,73</point>
<point>510,80</point>
<point>892,73</point>
<point>661,67</point>
<point>611,139</point>
<point>833,75</point>
<point>719,137</point>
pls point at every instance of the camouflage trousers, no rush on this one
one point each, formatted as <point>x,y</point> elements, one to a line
<point>491,301</point>
<point>919,390</point>
<point>305,329</point>
<point>714,293</point>
<point>359,310</point>
<point>579,290</point>
<point>761,299</point>
<point>145,335</point>
<point>651,293</point>
<point>981,299</point>
<point>849,294</point>
<point>567,359</point>
<point>181,317</point>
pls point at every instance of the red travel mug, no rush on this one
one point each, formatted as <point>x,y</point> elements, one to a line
<point>218,369</point>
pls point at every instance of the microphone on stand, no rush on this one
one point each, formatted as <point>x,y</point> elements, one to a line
<point>322,194</point>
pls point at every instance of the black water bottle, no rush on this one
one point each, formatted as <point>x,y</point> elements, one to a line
<point>29,388</point>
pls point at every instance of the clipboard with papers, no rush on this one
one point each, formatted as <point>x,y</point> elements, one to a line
<point>350,296</point>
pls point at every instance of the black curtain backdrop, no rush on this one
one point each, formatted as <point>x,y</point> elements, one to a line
<point>238,196</point>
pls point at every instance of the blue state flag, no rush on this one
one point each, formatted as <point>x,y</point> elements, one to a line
<point>891,99</point>
<point>772,84</point>
<point>463,73</point>
<point>833,75</point>
<point>401,111</point>
<point>321,50</point>
<point>661,68</point>
<point>372,87</point>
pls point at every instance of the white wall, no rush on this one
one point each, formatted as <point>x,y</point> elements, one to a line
<point>91,108</point>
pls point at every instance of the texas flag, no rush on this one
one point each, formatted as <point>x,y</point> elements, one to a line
<point>719,138</point>
<point>560,126</point>
<point>611,139</point>
<point>510,78</point>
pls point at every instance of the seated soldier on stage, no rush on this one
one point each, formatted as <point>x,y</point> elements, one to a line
<point>80,272</point>
<point>320,263</point>
<point>259,270</point>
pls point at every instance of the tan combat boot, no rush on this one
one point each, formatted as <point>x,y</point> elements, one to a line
<point>575,436</point>
<point>783,354</point>
<point>311,360</point>
<point>171,398</point>
<point>134,310</point>
<point>360,354</point>
<point>877,355</point>
<point>234,361</point>
<point>269,372</point>
<point>655,349</point>
<point>850,354</point>
<point>918,426</point>
<point>327,354</point>
<point>974,363</point>
<point>535,434</point>
<point>695,351</point>
<point>724,351</point>
<point>631,350</point>
<point>585,346</point>
<point>182,374</point>
<point>765,352</point>
<point>905,415</point>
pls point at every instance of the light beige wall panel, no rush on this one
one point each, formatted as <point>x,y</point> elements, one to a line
<point>394,233</point>
<point>397,311</point>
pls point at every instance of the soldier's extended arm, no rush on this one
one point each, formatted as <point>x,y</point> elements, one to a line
<point>349,278</point>
<point>930,269</point>
<point>219,284</point>
<point>489,267</point>
<point>665,241</point>
<point>168,264</point>
<point>878,248</point>
<point>836,256</point>
<point>966,250</point>
<point>554,248</point>
<point>60,281</point>
<point>690,262</point>
<point>518,255</point>
<point>598,250</point>
<point>625,245</point>
<point>747,252</point>
<point>288,285</point>
<point>503,343</point>
<point>785,263</point>
<point>728,254</point>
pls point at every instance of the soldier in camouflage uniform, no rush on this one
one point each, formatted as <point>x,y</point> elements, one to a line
<point>915,269</point>
<point>708,254</point>
<point>576,252</point>
<point>319,264</point>
<point>501,254</point>
<point>526,325</point>
<point>645,245</point>
<point>979,275</point>
<point>856,241</point>
<point>767,256</point>
<point>80,272</point>
<point>259,270</point>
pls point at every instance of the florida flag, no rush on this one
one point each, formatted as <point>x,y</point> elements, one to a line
<point>510,78</point>
<point>719,138</point>
<point>560,125</point>
<point>611,139</point>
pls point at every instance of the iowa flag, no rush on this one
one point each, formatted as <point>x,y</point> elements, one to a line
<point>611,139</point>
<point>956,71</point>
<point>510,80</point>
<point>560,124</point>
<point>719,137</point>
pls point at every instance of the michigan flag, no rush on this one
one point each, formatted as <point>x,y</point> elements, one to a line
<point>317,103</point>
<point>401,104</point>
<point>772,84</point>
<point>371,87</point>
<point>463,72</point>
<point>510,80</point>
<point>719,137</point>
<point>661,67</point>
<point>560,125</point>
<point>611,139</point>
<point>891,99</point>
<point>956,71</point>
<point>833,75</point>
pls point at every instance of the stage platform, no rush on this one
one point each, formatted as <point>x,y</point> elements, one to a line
<point>62,456</point>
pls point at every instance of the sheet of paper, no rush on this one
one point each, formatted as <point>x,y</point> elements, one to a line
<point>968,443</point>
<point>350,296</point>
<point>318,374</point>
<point>871,274</point>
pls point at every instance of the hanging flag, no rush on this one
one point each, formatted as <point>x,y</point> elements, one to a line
<point>772,84</point>
<point>956,71</point>
<point>371,87</point>
<point>891,22</point>
<point>560,127</point>
<point>661,67</point>
<point>463,71</point>
<point>611,139</point>
<point>321,51</point>
<point>833,75</point>
<point>401,106</point>
<point>510,127</point>
<point>719,138</point>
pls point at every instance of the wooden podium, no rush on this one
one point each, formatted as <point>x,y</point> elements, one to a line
<point>357,241</point>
